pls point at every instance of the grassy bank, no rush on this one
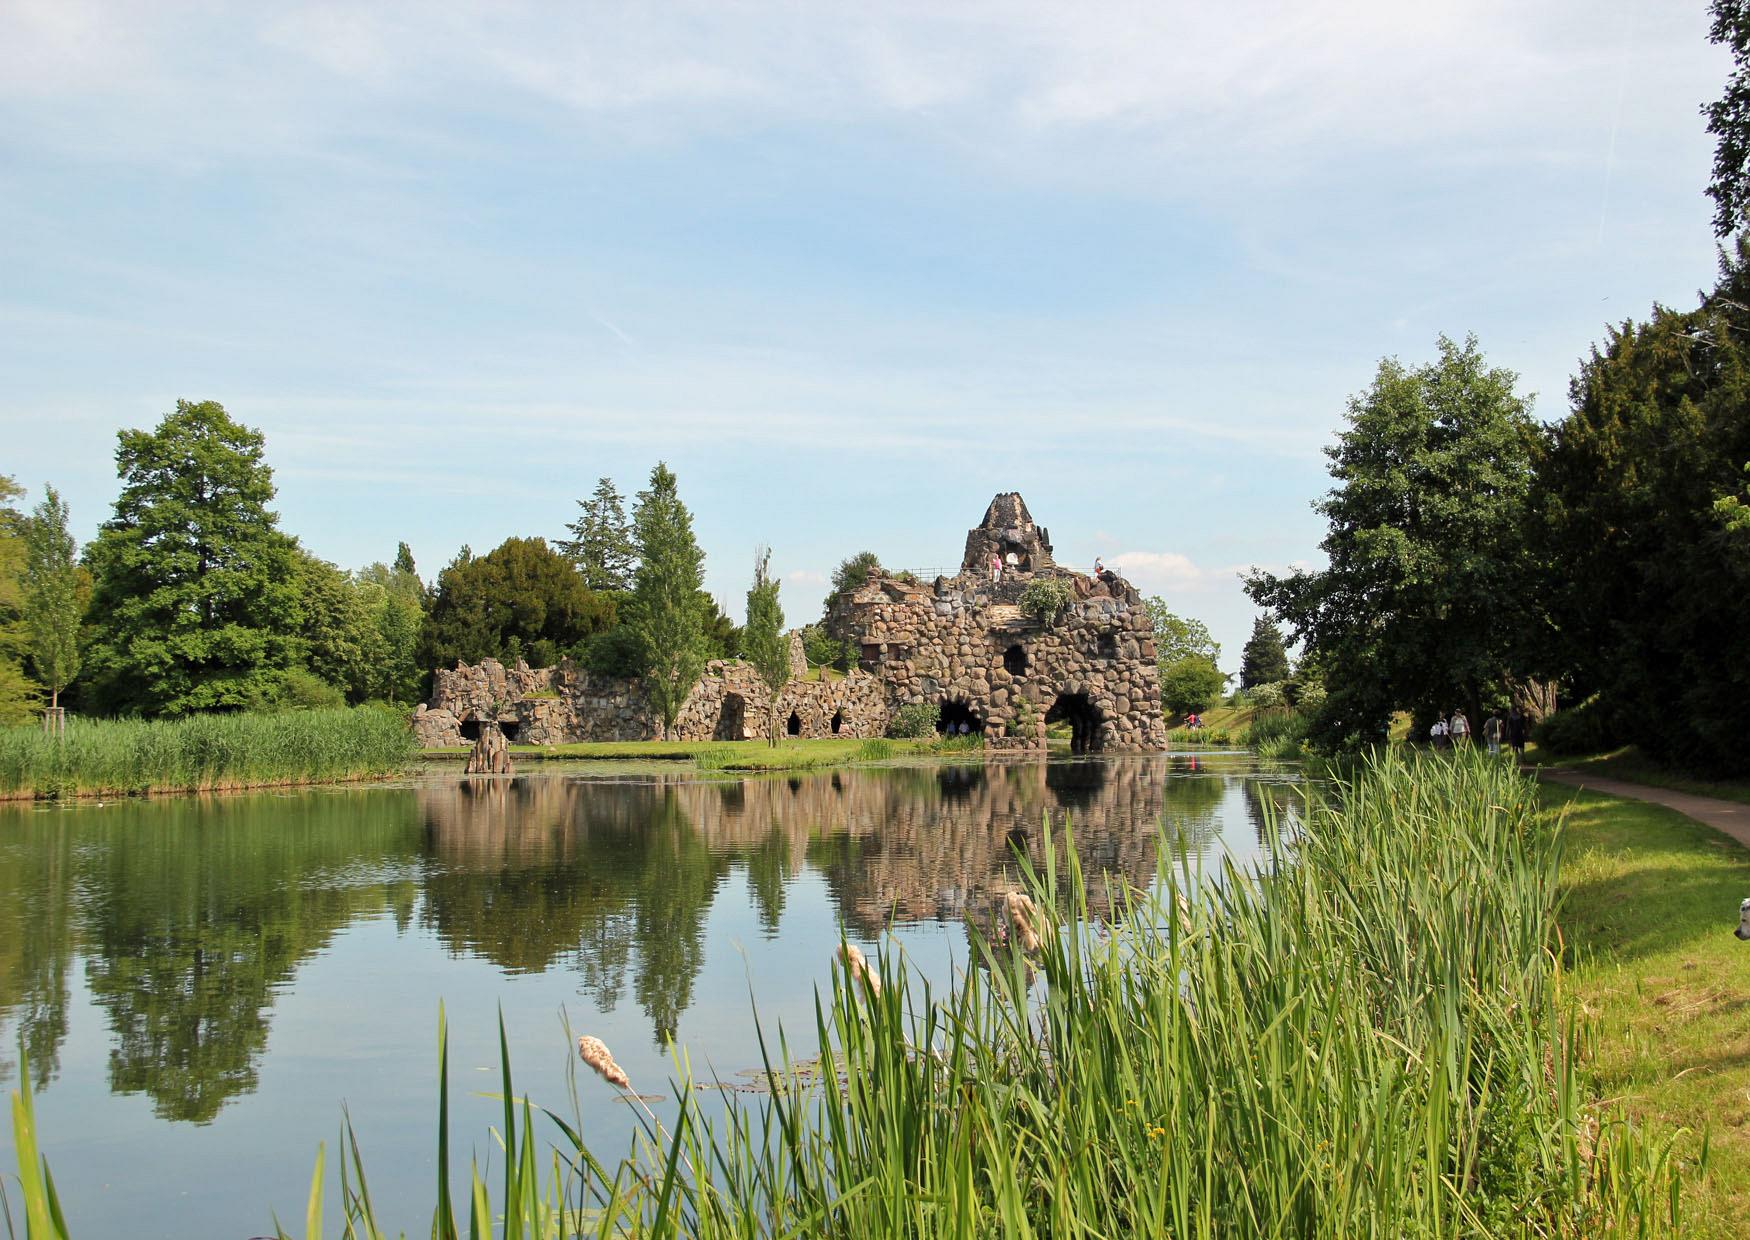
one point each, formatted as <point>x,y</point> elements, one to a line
<point>788,755</point>
<point>203,753</point>
<point>1650,903</point>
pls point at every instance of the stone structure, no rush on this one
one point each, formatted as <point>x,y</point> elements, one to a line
<point>962,643</point>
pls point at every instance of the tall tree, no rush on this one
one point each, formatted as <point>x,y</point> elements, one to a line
<point>1728,119</point>
<point>763,637</point>
<point>339,629</point>
<point>404,561</point>
<point>666,613</point>
<point>1178,637</point>
<point>601,540</point>
<point>196,591</point>
<point>1264,660</point>
<point>1638,520</point>
<point>19,694</point>
<point>52,606</point>
<point>1425,599</point>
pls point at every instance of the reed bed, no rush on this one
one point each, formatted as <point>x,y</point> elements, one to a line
<point>1370,1039</point>
<point>203,753</point>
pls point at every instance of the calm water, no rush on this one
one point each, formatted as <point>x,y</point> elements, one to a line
<point>201,984</point>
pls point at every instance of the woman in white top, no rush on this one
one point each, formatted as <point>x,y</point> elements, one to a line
<point>1460,728</point>
<point>1437,734</point>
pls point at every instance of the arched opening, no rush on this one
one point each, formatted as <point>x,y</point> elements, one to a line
<point>731,719</point>
<point>1083,717</point>
<point>838,721</point>
<point>1015,660</point>
<point>1108,646</point>
<point>957,718</point>
<point>470,729</point>
<point>794,727</point>
<point>510,728</point>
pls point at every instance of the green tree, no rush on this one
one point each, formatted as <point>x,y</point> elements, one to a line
<point>19,694</point>
<point>1178,637</point>
<point>53,608</point>
<point>1265,658</point>
<point>1728,119</point>
<point>396,601</point>
<point>404,563</point>
<point>1647,570</point>
<point>601,540</point>
<point>195,599</point>
<point>763,636</point>
<point>722,636</point>
<point>1425,599</point>
<point>521,600</point>
<point>666,612</point>
<point>341,642</point>
<point>1191,685</point>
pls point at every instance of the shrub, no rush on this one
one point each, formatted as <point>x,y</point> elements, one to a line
<point>1191,685</point>
<point>1585,728</point>
<point>1267,696</point>
<point>615,653</point>
<point>914,721</point>
<point>875,749</point>
<point>1044,598</point>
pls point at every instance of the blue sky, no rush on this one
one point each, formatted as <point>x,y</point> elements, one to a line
<point>849,268</point>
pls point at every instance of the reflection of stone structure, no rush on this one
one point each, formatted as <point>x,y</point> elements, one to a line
<point>961,643</point>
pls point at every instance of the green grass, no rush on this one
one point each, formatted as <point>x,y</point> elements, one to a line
<point>204,753</point>
<point>1631,764</point>
<point>1650,903</point>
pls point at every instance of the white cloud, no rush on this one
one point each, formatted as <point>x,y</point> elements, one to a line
<point>1170,573</point>
<point>806,577</point>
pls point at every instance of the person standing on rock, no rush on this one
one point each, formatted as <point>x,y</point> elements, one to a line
<point>996,568</point>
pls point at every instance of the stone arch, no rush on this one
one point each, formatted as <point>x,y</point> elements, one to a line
<point>838,721</point>
<point>952,712</point>
<point>731,719</point>
<point>1085,721</point>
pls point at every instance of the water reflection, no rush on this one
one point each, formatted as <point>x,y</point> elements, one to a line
<point>190,918</point>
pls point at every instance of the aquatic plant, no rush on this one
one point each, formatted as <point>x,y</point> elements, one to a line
<point>204,753</point>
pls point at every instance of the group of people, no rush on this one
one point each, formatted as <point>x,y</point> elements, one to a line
<point>1454,733</point>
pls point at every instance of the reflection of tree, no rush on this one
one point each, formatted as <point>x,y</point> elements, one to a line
<point>37,939</point>
<point>195,917</point>
<point>609,875</point>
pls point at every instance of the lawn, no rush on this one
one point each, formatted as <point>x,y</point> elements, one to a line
<point>1651,900</point>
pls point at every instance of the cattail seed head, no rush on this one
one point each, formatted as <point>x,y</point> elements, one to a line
<point>595,1053</point>
<point>1023,920</point>
<point>857,965</point>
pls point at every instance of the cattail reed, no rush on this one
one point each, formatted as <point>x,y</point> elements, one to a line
<point>857,965</point>
<point>595,1053</point>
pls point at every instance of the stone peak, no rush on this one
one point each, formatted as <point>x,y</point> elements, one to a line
<point>1008,533</point>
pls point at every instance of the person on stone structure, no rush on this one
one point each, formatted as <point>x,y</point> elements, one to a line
<point>996,567</point>
<point>1099,567</point>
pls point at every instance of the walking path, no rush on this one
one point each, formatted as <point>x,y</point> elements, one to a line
<point>1730,817</point>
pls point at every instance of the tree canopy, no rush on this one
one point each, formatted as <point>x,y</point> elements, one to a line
<point>1728,119</point>
<point>763,636</point>
<point>522,600</point>
<point>53,607</point>
<point>18,692</point>
<point>1424,601</point>
<point>1638,506</point>
<point>196,585</point>
<point>854,571</point>
<point>1179,637</point>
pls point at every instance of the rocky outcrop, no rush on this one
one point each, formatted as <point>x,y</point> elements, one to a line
<point>491,755</point>
<point>962,643</point>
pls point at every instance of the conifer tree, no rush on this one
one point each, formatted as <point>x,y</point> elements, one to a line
<point>601,542</point>
<point>1264,660</point>
<point>763,636</point>
<point>666,612</point>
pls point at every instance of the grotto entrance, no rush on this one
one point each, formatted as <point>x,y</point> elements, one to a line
<point>838,721</point>
<point>731,719</point>
<point>1084,720</point>
<point>952,714</point>
<point>471,728</point>
<point>794,727</point>
<point>1015,660</point>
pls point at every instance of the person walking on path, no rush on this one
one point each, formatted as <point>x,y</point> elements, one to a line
<point>1494,729</point>
<point>1437,733</point>
<point>1516,730</point>
<point>1460,729</point>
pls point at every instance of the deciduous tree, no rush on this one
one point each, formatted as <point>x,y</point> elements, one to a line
<point>53,607</point>
<point>19,694</point>
<point>1426,596</point>
<point>195,594</point>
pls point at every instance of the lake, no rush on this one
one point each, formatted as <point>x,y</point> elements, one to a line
<point>203,983</point>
